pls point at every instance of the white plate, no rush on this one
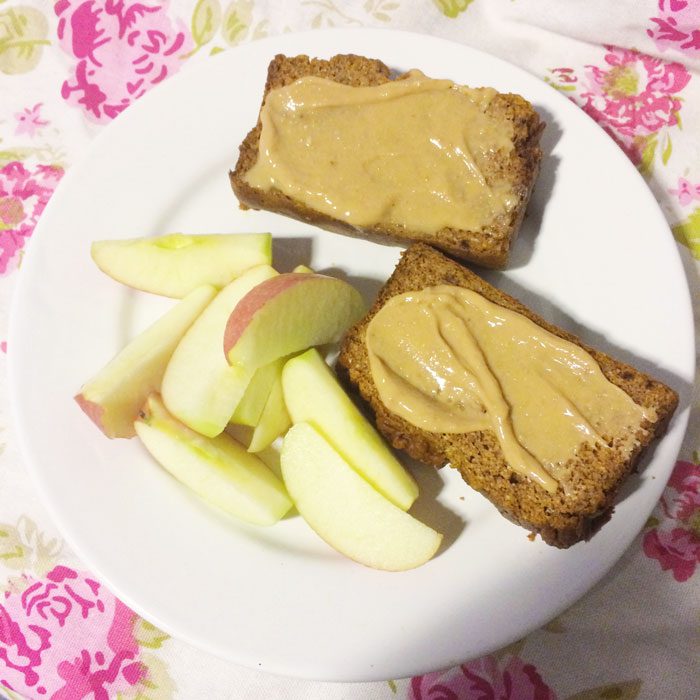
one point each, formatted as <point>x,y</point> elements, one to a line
<point>595,256</point>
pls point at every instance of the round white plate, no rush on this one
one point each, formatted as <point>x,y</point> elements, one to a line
<point>595,256</point>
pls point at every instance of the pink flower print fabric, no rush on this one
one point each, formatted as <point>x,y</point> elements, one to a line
<point>24,193</point>
<point>507,679</point>
<point>29,121</point>
<point>686,192</point>
<point>634,96</point>
<point>122,49</point>
<point>675,542</point>
<point>677,26</point>
<point>39,629</point>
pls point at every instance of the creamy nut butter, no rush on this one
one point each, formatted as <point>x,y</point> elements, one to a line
<point>409,152</point>
<point>448,360</point>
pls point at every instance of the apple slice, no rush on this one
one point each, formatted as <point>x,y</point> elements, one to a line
<point>303,269</point>
<point>113,397</point>
<point>199,387</point>
<point>219,470</point>
<point>175,264</point>
<point>274,421</point>
<point>345,511</point>
<point>270,455</point>
<point>289,313</point>
<point>252,405</point>
<point>312,395</point>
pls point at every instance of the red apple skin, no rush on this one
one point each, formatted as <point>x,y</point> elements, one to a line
<point>256,298</point>
<point>94,412</point>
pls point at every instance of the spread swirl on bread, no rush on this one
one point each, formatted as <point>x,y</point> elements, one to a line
<point>448,360</point>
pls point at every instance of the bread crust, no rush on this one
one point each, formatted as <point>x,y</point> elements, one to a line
<point>489,247</point>
<point>562,519</point>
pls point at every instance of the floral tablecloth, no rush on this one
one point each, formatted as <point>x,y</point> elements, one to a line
<point>68,68</point>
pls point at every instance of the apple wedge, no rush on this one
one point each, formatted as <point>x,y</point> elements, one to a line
<point>113,397</point>
<point>303,269</point>
<point>175,264</point>
<point>252,405</point>
<point>313,395</point>
<point>292,312</point>
<point>199,387</point>
<point>274,421</point>
<point>270,455</point>
<point>219,470</point>
<point>345,511</point>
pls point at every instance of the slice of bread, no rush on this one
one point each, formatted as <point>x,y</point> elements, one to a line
<point>562,519</point>
<point>518,168</point>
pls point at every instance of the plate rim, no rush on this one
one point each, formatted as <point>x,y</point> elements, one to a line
<point>680,418</point>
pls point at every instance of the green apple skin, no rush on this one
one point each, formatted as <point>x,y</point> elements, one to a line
<point>287,314</point>
<point>219,470</point>
<point>199,387</point>
<point>252,405</point>
<point>313,395</point>
<point>274,421</point>
<point>175,264</point>
<point>345,511</point>
<point>114,396</point>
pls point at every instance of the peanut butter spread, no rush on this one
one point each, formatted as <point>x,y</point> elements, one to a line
<point>409,152</point>
<point>448,360</point>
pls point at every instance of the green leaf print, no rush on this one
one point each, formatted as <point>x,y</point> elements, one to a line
<point>260,30</point>
<point>24,548</point>
<point>11,550</point>
<point>646,164</point>
<point>667,149</point>
<point>330,15</point>
<point>10,155</point>
<point>23,32</point>
<point>513,649</point>
<point>237,21</point>
<point>148,635</point>
<point>616,691</point>
<point>380,9</point>
<point>206,19</point>
<point>156,685</point>
<point>651,522</point>
<point>688,232</point>
<point>451,8</point>
<point>555,626</point>
<point>558,86</point>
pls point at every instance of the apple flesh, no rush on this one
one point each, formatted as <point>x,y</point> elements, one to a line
<point>345,511</point>
<point>219,470</point>
<point>199,387</point>
<point>270,455</point>
<point>175,264</point>
<point>275,420</point>
<point>292,312</point>
<point>313,395</point>
<point>113,397</point>
<point>252,405</point>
